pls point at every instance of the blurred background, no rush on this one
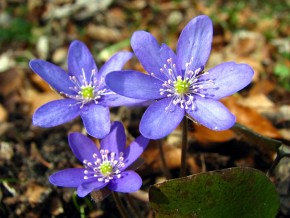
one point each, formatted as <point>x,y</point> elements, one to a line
<point>255,32</point>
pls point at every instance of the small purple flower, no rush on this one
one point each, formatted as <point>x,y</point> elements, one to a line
<point>105,167</point>
<point>178,81</point>
<point>84,89</point>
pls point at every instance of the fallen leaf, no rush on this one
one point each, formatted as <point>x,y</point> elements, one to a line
<point>259,102</point>
<point>206,136</point>
<point>38,99</point>
<point>11,80</point>
<point>3,114</point>
<point>250,117</point>
<point>152,156</point>
<point>262,87</point>
<point>103,33</point>
<point>39,83</point>
<point>254,63</point>
<point>34,192</point>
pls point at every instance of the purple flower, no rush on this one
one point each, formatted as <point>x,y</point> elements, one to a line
<point>105,167</point>
<point>84,88</point>
<point>178,81</point>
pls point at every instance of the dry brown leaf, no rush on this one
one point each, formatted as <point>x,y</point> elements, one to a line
<point>254,63</point>
<point>258,102</point>
<point>206,136</point>
<point>103,33</point>
<point>59,55</point>
<point>116,17</point>
<point>152,157</point>
<point>3,114</point>
<point>38,99</point>
<point>36,155</point>
<point>246,43</point>
<point>262,87</point>
<point>250,118</point>
<point>39,82</point>
<point>266,24</point>
<point>11,80</point>
<point>193,165</point>
<point>34,192</point>
<point>56,207</point>
<point>285,133</point>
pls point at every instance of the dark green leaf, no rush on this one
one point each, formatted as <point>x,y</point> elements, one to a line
<point>235,192</point>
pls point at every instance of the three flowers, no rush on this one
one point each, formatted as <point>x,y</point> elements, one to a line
<point>176,85</point>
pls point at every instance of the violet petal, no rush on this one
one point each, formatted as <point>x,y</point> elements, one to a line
<point>56,77</point>
<point>150,54</point>
<point>135,149</point>
<point>70,178</point>
<point>115,100</point>
<point>195,43</point>
<point>86,188</point>
<point>55,113</point>
<point>115,141</point>
<point>96,119</point>
<point>129,182</point>
<point>158,121</point>
<point>228,78</point>
<point>115,63</point>
<point>80,61</point>
<point>212,114</point>
<point>134,84</point>
<point>83,147</point>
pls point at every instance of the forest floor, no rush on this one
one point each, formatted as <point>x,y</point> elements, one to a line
<point>251,32</point>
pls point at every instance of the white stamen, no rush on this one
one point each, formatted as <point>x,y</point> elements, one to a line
<point>83,83</point>
<point>196,86</point>
<point>107,158</point>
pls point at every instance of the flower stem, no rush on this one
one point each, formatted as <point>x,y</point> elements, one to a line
<point>184,147</point>
<point>120,205</point>
<point>164,167</point>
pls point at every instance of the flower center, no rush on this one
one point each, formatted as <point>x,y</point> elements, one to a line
<point>181,86</point>
<point>87,89</point>
<point>105,167</point>
<point>87,92</point>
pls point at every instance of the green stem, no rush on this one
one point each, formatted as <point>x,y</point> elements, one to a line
<point>120,205</point>
<point>164,167</point>
<point>184,147</point>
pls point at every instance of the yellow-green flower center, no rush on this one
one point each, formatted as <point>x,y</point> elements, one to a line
<point>181,86</point>
<point>87,92</point>
<point>106,168</point>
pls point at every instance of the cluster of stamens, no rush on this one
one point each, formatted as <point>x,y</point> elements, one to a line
<point>183,89</point>
<point>87,90</point>
<point>104,168</point>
